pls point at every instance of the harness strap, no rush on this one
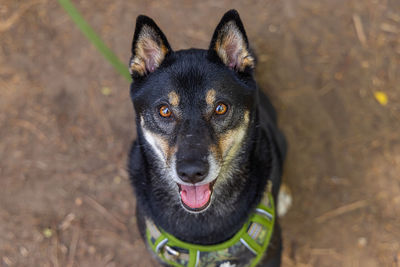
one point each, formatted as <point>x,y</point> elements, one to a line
<point>251,241</point>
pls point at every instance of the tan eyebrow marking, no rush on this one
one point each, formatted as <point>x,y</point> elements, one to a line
<point>173,98</point>
<point>210,97</point>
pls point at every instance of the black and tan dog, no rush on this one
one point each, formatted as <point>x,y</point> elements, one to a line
<point>208,149</point>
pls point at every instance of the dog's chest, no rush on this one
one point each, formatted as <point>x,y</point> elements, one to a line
<point>246,248</point>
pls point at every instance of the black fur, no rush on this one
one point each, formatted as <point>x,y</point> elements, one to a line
<point>260,158</point>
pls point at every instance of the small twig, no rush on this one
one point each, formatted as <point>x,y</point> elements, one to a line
<point>386,27</point>
<point>359,30</point>
<point>32,128</point>
<point>111,218</point>
<point>55,255</point>
<point>341,210</point>
<point>326,252</point>
<point>72,247</point>
<point>66,222</point>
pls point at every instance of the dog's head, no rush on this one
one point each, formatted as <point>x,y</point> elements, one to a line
<point>194,107</point>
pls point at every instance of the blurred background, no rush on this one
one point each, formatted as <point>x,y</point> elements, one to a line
<point>66,125</point>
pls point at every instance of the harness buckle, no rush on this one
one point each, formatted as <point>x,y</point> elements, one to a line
<point>171,251</point>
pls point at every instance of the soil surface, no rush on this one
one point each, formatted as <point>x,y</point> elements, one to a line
<point>67,124</point>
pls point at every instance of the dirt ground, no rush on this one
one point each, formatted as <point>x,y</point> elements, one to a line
<point>66,124</point>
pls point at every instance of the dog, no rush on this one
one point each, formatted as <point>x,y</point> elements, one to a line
<point>207,162</point>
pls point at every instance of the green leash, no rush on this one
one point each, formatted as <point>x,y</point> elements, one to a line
<point>90,34</point>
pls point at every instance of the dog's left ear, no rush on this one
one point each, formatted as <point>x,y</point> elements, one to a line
<point>149,47</point>
<point>229,44</point>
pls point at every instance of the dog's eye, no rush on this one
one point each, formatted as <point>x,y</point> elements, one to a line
<point>221,109</point>
<point>165,111</point>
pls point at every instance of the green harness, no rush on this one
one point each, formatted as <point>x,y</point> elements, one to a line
<point>246,248</point>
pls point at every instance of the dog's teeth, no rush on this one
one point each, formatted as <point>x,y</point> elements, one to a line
<point>284,200</point>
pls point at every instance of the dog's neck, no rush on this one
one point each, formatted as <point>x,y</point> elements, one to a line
<point>229,209</point>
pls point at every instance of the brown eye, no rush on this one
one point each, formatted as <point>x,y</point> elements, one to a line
<point>221,109</point>
<point>165,111</point>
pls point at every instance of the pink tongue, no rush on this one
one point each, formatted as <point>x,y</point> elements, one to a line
<point>195,196</point>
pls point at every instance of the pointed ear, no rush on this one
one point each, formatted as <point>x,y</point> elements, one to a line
<point>229,43</point>
<point>149,47</point>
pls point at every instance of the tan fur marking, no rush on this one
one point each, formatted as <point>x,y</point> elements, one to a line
<point>210,97</point>
<point>158,141</point>
<point>230,142</point>
<point>162,144</point>
<point>173,98</point>
<point>170,152</point>
<point>215,152</point>
<point>228,37</point>
<point>229,145</point>
<point>137,65</point>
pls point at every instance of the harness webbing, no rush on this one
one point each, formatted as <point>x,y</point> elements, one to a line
<point>250,242</point>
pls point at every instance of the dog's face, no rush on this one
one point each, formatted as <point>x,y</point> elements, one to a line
<point>193,107</point>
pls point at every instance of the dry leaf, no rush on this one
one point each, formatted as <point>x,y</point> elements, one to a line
<point>381,97</point>
<point>106,91</point>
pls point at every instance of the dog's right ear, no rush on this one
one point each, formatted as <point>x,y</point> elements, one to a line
<point>149,47</point>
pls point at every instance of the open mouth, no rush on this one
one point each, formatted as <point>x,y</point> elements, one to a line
<point>196,197</point>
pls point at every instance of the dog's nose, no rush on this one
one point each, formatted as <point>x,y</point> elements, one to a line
<point>192,171</point>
